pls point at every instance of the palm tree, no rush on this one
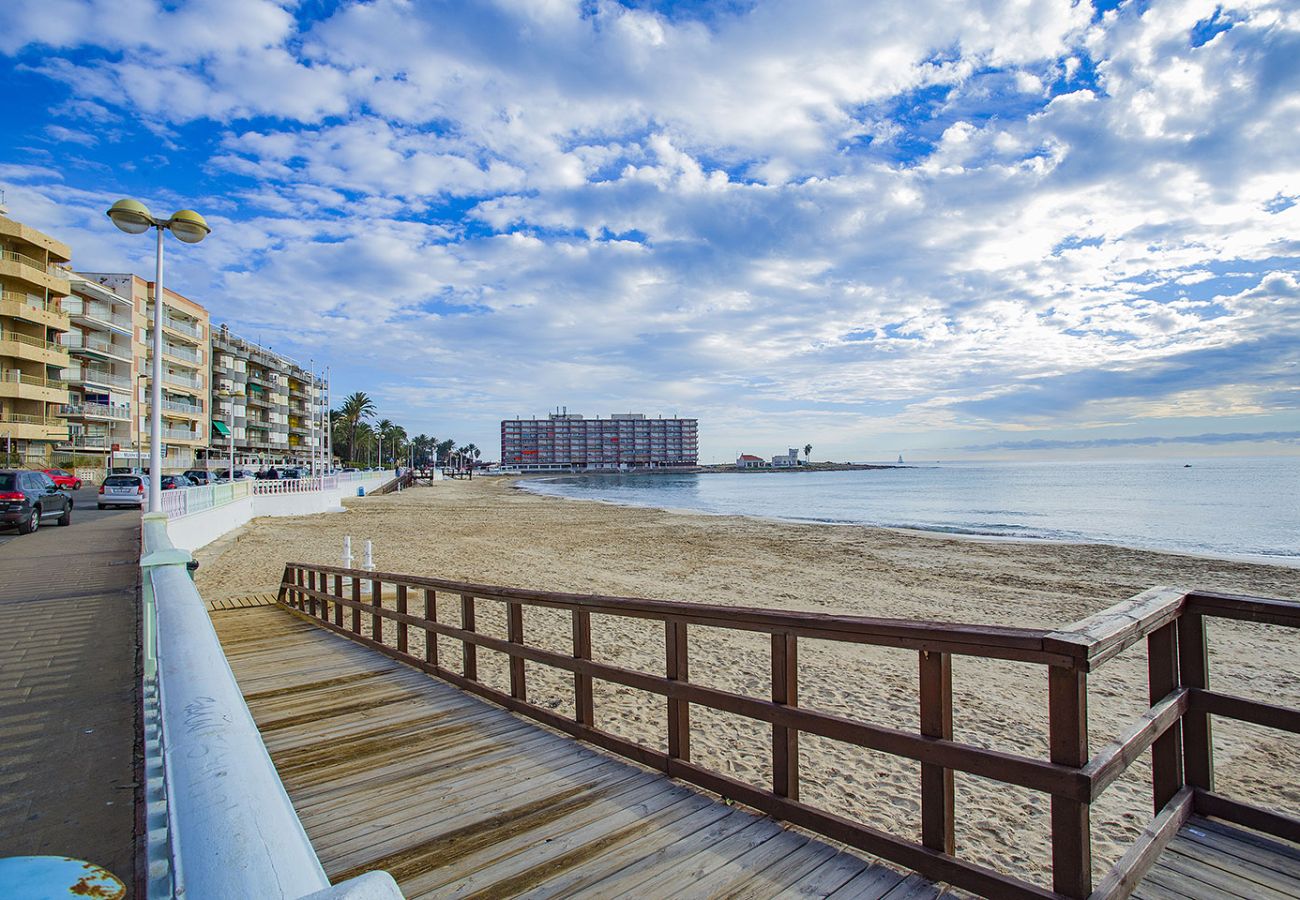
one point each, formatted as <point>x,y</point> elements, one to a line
<point>807,451</point>
<point>356,408</point>
<point>443,450</point>
<point>422,443</point>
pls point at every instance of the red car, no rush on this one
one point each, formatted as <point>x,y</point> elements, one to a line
<point>64,479</point>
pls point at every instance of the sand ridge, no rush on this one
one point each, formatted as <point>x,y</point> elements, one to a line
<point>484,531</point>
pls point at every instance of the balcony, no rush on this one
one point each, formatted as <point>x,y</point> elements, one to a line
<point>189,329</point>
<point>18,305</point>
<point>97,314</point>
<point>78,342</point>
<point>118,412</point>
<point>35,349</point>
<point>98,377</point>
<point>33,428</point>
<point>185,381</point>
<point>180,434</point>
<point>18,385</point>
<point>184,409</point>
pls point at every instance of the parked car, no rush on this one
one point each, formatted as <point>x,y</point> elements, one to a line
<point>351,469</point>
<point>292,473</point>
<point>239,475</point>
<point>122,490</point>
<point>28,498</point>
<point>64,479</point>
<point>200,476</point>
<point>172,482</point>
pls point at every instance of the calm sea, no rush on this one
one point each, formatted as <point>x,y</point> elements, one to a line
<point>1219,507</point>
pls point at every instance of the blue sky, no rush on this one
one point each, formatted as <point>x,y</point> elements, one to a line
<point>1013,229</point>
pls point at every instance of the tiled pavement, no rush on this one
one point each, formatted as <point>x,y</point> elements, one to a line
<point>69,610</point>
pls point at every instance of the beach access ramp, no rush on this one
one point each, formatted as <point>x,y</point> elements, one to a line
<point>391,769</point>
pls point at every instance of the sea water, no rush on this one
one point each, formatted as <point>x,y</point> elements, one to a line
<point>1229,507</point>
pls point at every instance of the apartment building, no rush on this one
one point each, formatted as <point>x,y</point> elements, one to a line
<point>186,365</point>
<point>269,403</point>
<point>33,282</point>
<point>100,372</point>
<point>565,441</point>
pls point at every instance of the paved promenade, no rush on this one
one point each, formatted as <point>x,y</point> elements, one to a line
<point>68,646</point>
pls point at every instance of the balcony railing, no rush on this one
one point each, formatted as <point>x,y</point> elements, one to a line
<point>181,380</point>
<point>180,434</point>
<point>193,330</point>
<point>39,343</point>
<point>75,340</point>
<point>90,375</point>
<point>24,260</point>
<point>15,376</point>
<point>101,313</point>
<point>118,411</point>
<point>178,407</point>
<point>20,419</point>
<point>180,352</point>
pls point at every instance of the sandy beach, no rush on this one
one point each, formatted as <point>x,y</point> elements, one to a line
<point>485,531</point>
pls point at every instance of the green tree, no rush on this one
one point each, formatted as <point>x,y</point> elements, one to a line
<point>357,407</point>
<point>807,451</point>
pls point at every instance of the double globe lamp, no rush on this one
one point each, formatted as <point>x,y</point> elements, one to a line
<point>134,217</point>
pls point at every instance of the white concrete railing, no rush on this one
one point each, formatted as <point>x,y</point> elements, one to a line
<point>220,823</point>
<point>185,501</point>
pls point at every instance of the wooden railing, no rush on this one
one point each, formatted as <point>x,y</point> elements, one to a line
<point>1176,727</point>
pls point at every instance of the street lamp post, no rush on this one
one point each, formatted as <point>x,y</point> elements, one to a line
<point>133,217</point>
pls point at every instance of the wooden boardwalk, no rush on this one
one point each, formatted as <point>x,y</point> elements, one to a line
<point>392,769</point>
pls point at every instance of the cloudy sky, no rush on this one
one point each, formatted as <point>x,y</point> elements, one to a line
<point>934,228</point>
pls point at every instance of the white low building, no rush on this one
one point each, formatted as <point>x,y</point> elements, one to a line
<point>786,460</point>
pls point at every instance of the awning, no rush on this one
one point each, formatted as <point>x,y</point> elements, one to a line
<point>221,429</point>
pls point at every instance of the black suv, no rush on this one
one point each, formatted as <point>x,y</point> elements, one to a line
<point>28,498</point>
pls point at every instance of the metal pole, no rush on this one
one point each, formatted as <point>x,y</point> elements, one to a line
<point>155,391</point>
<point>329,424</point>
<point>232,439</point>
<point>311,415</point>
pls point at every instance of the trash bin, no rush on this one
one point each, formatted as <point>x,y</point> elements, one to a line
<point>361,492</point>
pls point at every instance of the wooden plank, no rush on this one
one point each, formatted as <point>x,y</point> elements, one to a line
<point>515,634</point>
<point>679,711</point>
<point>724,880</point>
<point>829,877</point>
<point>1115,629</point>
<point>376,603</point>
<point>1148,846</point>
<point>469,651</point>
<point>608,871</point>
<point>676,881</point>
<point>871,884</point>
<point>1284,858</point>
<point>356,610</point>
<point>431,615</point>
<point>1068,745</point>
<point>1194,672</point>
<point>1267,714</point>
<point>1115,758</point>
<point>1162,680</point>
<point>583,696</point>
<point>785,691</point>
<point>1248,609</point>
<point>1229,873</point>
<point>938,826</point>
<point>1249,815</point>
<point>401,626</point>
<point>338,607</point>
<point>913,887</point>
<point>775,880</point>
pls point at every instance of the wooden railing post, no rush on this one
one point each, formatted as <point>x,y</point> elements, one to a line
<point>515,635</point>
<point>583,701</point>
<point>1194,670</point>
<point>377,601</point>
<point>679,711</point>
<point>469,651</point>
<point>313,606</point>
<point>431,615</point>
<point>938,826</point>
<point>1167,751</point>
<point>401,626</point>
<point>298,585</point>
<point>785,690</point>
<point>282,594</point>
<point>338,607</point>
<point>356,610</point>
<point>1068,742</point>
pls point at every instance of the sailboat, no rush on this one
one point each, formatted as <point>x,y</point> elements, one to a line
<point>900,459</point>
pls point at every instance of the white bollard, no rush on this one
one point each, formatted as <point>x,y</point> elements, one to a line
<point>347,551</point>
<point>369,563</point>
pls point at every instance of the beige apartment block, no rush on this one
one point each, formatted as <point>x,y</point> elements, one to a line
<point>33,282</point>
<point>101,344</point>
<point>186,362</point>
